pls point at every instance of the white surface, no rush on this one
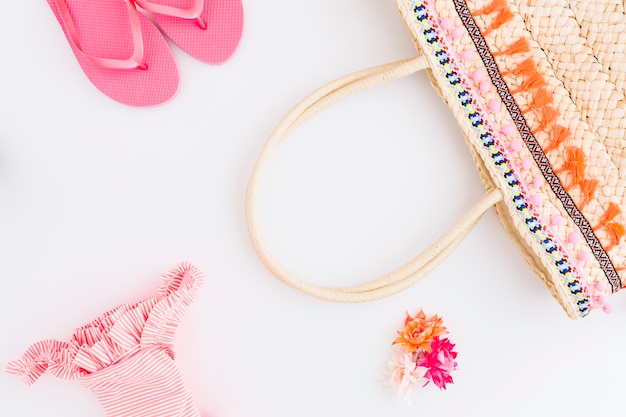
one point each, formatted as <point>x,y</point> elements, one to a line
<point>97,199</point>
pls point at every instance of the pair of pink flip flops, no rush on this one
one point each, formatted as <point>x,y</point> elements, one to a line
<point>125,55</point>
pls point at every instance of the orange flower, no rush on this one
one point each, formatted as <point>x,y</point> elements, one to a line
<point>419,331</point>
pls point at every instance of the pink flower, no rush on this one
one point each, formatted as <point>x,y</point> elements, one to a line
<point>440,362</point>
<point>405,372</point>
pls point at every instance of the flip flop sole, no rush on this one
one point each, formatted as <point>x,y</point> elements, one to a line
<point>213,45</point>
<point>103,30</point>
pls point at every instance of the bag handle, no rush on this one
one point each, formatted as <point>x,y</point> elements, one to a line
<point>397,280</point>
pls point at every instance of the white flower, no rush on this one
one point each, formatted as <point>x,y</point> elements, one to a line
<point>404,373</point>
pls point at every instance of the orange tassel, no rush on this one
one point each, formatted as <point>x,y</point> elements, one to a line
<point>501,18</point>
<point>612,211</point>
<point>616,232</point>
<point>541,98</point>
<point>534,81</point>
<point>559,135</point>
<point>494,6</point>
<point>520,46</point>
<point>575,163</point>
<point>503,15</point>
<point>525,68</point>
<point>547,117</point>
<point>588,188</point>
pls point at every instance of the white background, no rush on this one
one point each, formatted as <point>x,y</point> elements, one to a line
<point>97,199</point>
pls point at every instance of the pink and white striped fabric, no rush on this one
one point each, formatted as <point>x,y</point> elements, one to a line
<point>125,356</point>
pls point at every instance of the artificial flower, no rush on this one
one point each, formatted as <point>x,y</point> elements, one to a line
<point>404,373</point>
<point>421,355</point>
<point>419,331</point>
<point>439,362</point>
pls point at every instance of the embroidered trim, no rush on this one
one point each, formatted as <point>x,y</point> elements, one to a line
<point>487,138</point>
<point>531,142</point>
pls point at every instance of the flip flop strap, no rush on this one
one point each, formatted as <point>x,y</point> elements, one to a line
<point>191,13</point>
<point>134,61</point>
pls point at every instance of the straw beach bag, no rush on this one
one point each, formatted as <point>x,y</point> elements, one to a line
<point>537,88</point>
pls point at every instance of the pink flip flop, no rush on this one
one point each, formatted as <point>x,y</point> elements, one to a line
<point>121,52</point>
<point>208,30</point>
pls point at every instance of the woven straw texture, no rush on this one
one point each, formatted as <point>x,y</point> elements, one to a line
<point>544,81</point>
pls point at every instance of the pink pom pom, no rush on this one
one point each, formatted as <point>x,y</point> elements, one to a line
<point>516,145</point>
<point>600,286</point>
<point>574,238</point>
<point>468,54</point>
<point>446,23</point>
<point>479,75</point>
<point>485,86</point>
<point>538,181</point>
<point>607,309</point>
<point>526,164</point>
<point>508,130</point>
<point>557,220</point>
<point>494,106</point>
<point>584,256</point>
<point>456,33</point>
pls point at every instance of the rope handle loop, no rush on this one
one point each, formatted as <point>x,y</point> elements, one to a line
<point>404,276</point>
